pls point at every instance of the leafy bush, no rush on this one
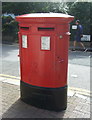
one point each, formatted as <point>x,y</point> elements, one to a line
<point>9,29</point>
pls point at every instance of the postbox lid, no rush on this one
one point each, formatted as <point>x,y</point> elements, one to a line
<point>44,17</point>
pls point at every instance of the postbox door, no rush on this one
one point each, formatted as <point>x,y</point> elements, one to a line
<point>61,59</point>
<point>42,60</point>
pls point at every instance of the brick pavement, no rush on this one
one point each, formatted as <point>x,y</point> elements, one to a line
<point>13,107</point>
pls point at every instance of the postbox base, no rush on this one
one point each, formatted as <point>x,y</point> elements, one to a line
<point>47,98</point>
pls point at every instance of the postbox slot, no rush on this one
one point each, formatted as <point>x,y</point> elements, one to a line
<point>24,28</point>
<point>45,28</point>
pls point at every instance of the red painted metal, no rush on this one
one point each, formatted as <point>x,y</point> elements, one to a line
<point>44,68</point>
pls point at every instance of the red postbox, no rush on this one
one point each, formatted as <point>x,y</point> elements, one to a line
<point>43,51</point>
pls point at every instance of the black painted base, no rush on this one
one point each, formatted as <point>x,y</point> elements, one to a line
<point>48,98</point>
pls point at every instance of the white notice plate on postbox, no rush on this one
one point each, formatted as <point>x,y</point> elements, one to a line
<point>45,43</point>
<point>24,41</point>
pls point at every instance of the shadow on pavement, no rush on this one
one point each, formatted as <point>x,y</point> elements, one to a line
<point>22,110</point>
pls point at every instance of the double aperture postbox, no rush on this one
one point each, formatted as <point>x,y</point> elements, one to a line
<point>43,51</point>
